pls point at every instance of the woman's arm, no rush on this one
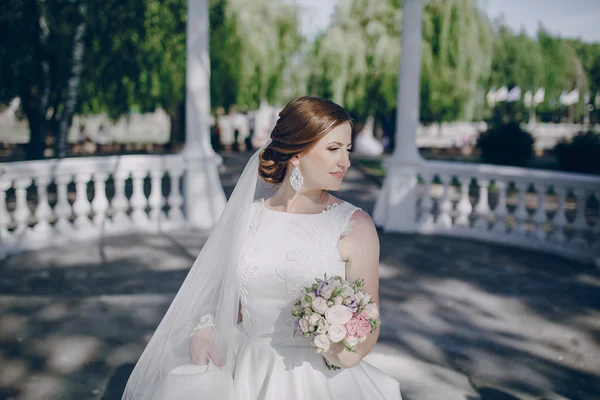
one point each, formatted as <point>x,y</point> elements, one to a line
<point>361,253</point>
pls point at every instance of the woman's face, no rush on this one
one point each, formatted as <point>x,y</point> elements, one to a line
<point>323,167</point>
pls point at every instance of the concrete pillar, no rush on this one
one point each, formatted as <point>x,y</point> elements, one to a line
<point>395,210</point>
<point>204,197</point>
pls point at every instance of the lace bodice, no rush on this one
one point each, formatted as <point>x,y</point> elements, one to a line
<point>283,253</point>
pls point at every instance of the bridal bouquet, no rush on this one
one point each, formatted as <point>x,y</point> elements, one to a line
<point>335,311</point>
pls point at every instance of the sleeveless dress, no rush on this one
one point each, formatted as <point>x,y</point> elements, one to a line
<point>283,253</point>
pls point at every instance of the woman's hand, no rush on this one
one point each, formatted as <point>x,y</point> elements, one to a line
<point>201,349</point>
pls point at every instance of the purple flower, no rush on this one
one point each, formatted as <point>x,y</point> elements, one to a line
<point>353,306</point>
<point>298,330</point>
<point>320,287</point>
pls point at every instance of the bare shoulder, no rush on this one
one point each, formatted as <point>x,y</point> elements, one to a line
<point>362,225</point>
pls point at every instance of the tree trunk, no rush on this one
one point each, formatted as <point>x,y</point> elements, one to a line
<point>177,136</point>
<point>72,85</point>
<point>35,99</point>
<point>34,149</point>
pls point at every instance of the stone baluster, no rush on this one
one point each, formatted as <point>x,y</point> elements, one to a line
<point>426,216</point>
<point>22,212</point>
<point>175,199</point>
<point>482,208</point>
<point>521,214</point>
<point>156,199</point>
<point>138,199</point>
<point>464,207</point>
<point>43,212</point>
<point>62,209</point>
<point>540,217</point>
<point>580,225</point>
<point>5,217</point>
<point>120,202</point>
<point>444,220</point>
<point>82,206</point>
<point>560,219</point>
<point>100,202</point>
<point>500,212</point>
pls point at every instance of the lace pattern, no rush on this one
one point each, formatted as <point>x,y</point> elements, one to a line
<point>308,248</point>
<point>248,268</point>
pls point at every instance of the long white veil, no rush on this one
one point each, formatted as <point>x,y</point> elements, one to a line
<point>211,287</point>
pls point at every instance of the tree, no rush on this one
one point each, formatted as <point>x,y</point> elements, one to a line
<point>268,36</point>
<point>357,57</point>
<point>41,62</point>
<point>136,57</point>
<point>457,48</point>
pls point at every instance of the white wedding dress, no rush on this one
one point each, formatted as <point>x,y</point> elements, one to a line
<point>283,253</point>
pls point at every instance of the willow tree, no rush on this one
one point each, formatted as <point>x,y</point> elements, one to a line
<point>457,47</point>
<point>356,59</point>
<point>269,36</point>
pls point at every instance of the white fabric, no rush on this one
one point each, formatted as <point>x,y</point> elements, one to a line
<point>194,382</point>
<point>260,261</point>
<point>283,253</point>
<point>211,287</point>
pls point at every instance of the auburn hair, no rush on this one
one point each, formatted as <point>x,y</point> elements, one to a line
<point>301,124</point>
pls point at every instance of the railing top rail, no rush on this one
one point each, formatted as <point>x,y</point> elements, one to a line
<point>517,174</point>
<point>107,164</point>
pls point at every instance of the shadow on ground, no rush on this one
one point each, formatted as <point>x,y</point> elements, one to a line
<point>462,320</point>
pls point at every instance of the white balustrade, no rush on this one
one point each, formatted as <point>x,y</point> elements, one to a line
<point>520,217</point>
<point>60,211</point>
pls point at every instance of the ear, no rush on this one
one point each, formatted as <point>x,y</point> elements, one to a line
<point>295,160</point>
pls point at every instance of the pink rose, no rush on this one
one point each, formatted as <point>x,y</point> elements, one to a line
<point>351,341</point>
<point>364,327</point>
<point>370,311</point>
<point>352,327</point>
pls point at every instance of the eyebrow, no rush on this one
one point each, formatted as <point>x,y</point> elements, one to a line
<point>341,144</point>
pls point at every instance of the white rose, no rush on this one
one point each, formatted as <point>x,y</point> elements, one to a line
<point>351,341</point>
<point>338,315</point>
<point>314,319</point>
<point>327,291</point>
<point>304,302</point>
<point>371,311</point>
<point>304,325</point>
<point>334,283</point>
<point>337,333</point>
<point>362,339</point>
<point>365,297</point>
<point>346,291</point>
<point>322,327</point>
<point>322,342</point>
<point>337,300</point>
<point>320,305</point>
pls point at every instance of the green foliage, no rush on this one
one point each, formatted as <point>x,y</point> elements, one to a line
<point>136,56</point>
<point>580,154</point>
<point>357,57</point>
<point>506,144</point>
<point>268,33</point>
<point>35,61</point>
<point>457,51</point>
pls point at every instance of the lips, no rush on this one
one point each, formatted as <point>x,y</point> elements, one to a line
<point>338,175</point>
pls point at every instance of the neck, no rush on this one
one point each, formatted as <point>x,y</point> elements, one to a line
<point>293,201</point>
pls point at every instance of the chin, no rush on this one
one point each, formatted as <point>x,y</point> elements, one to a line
<point>334,187</point>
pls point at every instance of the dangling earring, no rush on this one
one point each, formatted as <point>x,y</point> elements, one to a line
<point>296,179</point>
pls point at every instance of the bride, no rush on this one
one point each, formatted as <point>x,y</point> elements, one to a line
<point>281,229</point>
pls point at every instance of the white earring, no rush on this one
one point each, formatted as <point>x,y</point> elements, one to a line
<point>296,179</point>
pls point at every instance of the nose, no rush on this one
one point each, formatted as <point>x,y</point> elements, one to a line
<point>344,162</point>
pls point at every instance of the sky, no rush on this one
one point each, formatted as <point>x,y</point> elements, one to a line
<point>566,18</point>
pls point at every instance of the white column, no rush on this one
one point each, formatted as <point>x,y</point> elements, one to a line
<point>203,193</point>
<point>396,209</point>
